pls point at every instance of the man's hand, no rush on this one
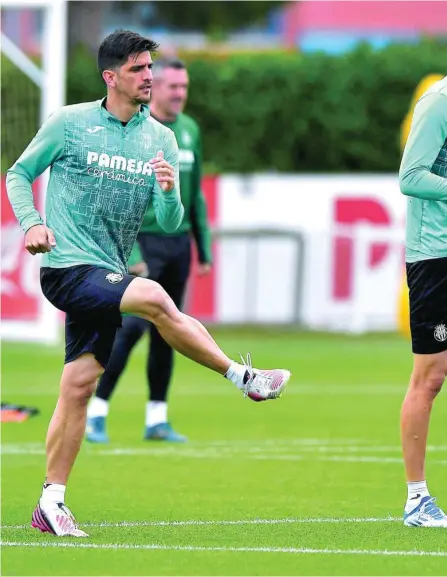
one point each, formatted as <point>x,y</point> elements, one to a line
<point>203,269</point>
<point>139,269</point>
<point>164,172</point>
<point>39,238</point>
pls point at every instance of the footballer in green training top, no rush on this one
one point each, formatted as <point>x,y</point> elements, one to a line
<point>423,178</point>
<point>108,160</point>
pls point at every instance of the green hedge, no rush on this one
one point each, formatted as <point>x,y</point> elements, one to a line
<point>309,112</point>
<point>20,116</point>
<point>294,112</point>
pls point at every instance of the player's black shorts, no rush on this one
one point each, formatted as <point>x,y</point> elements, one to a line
<point>91,297</point>
<point>427,282</point>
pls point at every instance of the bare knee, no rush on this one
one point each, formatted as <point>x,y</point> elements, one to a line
<point>428,376</point>
<point>79,379</point>
<point>158,305</point>
<point>148,299</point>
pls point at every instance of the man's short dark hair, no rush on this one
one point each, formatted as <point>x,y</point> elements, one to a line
<point>116,48</point>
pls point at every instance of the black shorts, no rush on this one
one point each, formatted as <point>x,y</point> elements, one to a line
<point>168,259</point>
<point>427,282</point>
<point>91,297</point>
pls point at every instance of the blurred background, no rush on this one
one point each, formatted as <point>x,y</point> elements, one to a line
<point>301,105</point>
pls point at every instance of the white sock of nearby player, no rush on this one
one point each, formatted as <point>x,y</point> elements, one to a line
<point>97,408</point>
<point>416,491</point>
<point>52,493</point>
<point>156,413</point>
<point>236,374</point>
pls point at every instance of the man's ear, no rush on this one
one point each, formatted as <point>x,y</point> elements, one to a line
<point>109,77</point>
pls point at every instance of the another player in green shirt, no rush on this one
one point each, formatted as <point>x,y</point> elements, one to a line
<point>423,178</point>
<point>163,257</point>
<point>108,160</point>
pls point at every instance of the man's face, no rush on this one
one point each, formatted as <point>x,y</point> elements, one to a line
<point>134,79</point>
<point>170,91</point>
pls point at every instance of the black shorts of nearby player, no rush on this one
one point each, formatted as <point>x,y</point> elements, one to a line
<point>427,283</point>
<point>90,296</point>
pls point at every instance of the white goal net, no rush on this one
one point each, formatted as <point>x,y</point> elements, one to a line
<point>33,59</point>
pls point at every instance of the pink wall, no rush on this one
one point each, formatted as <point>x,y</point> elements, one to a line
<point>406,16</point>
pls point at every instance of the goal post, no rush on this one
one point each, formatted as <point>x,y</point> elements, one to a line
<point>26,315</point>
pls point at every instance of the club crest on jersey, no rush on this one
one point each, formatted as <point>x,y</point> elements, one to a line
<point>440,333</point>
<point>114,277</point>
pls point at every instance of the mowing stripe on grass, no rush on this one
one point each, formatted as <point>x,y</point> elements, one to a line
<point>203,391</point>
<point>193,548</point>
<point>228,522</point>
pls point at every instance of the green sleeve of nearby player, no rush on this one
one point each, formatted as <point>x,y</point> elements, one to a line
<point>44,149</point>
<point>427,137</point>
<point>199,219</point>
<point>168,207</point>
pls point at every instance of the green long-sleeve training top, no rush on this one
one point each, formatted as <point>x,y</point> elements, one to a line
<point>188,137</point>
<point>423,176</point>
<point>101,183</point>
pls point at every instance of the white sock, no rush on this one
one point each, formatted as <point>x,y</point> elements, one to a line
<point>52,493</point>
<point>156,413</point>
<point>416,491</point>
<point>236,374</point>
<point>97,408</point>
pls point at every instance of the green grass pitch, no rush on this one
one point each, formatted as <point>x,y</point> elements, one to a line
<point>310,484</point>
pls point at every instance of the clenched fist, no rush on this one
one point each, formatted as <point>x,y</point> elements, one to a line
<point>39,238</point>
<point>164,172</point>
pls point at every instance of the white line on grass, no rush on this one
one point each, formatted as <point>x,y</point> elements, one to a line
<point>223,452</point>
<point>293,550</point>
<point>254,446</point>
<point>229,522</point>
<point>304,444</point>
<point>368,459</point>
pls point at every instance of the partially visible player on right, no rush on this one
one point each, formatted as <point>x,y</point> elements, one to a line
<point>423,178</point>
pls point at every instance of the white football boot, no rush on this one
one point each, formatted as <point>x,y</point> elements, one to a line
<point>56,518</point>
<point>426,514</point>
<point>263,385</point>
